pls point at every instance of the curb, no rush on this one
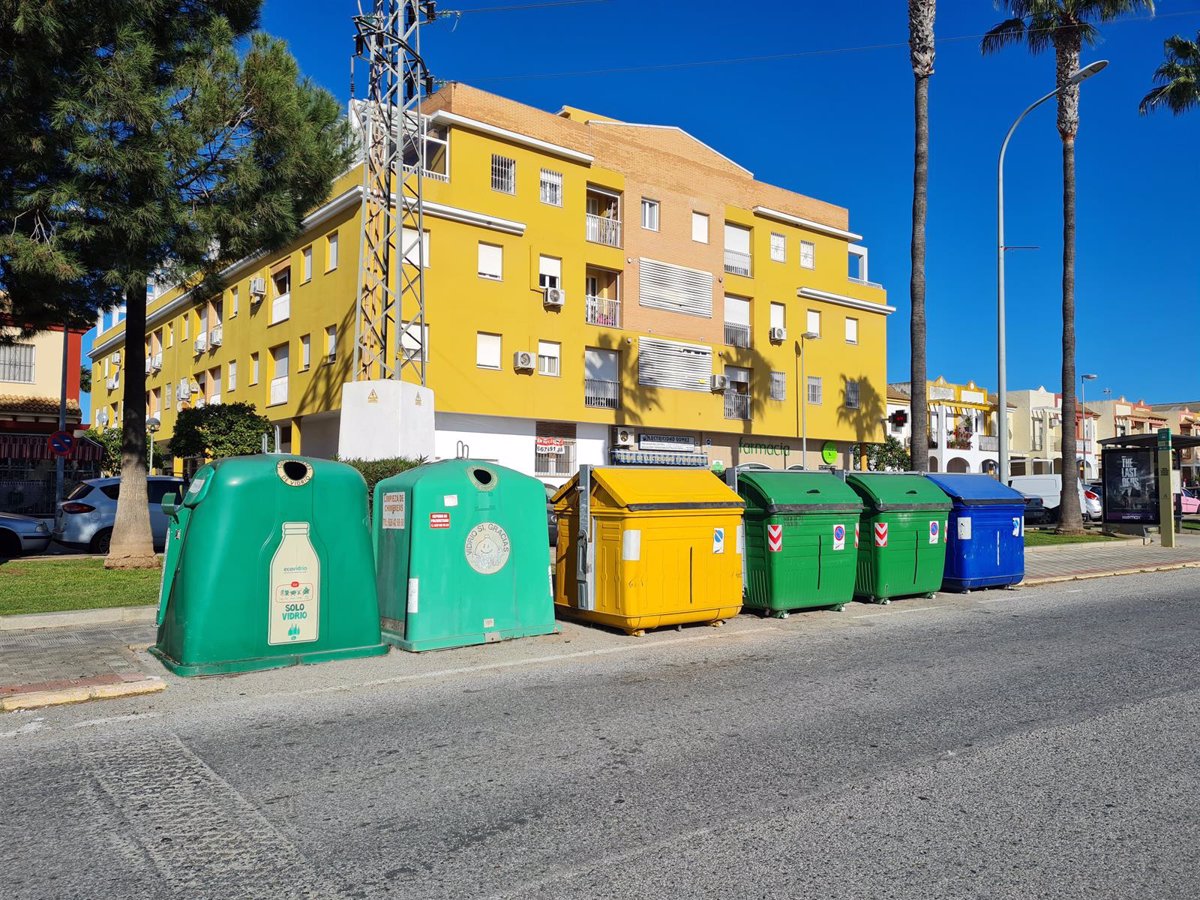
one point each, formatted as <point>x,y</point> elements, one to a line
<point>38,699</point>
<point>113,615</point>
<point>1081,576</point>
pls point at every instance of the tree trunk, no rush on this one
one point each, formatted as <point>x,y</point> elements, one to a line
<point>918,384</point>
<point>132,544</point>
<point>1071,519</point>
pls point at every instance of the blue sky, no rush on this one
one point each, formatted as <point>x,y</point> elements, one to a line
<point>838,126</point>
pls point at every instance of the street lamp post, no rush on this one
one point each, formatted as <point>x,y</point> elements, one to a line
<point>152,426</point>
<point>1083,380</point>
<point>803,388</point>
<point>1001,350</point>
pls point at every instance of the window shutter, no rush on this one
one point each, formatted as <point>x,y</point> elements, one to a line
<point>673,364</point>
<point>737,238</point>
<point>737,311</point>
<point>778,312</point>
<point>675,288</point>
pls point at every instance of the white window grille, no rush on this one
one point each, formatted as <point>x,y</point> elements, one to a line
<point>504,174</point>
<point>778,385</point>
<point>554,449</point>
<point>852,395</point>
<point>808,255</point>
<point>550,187</point>
<point>814,390</point>
<point>17,363</point>
<point>778,247</point>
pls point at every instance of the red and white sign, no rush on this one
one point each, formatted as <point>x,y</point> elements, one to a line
<point>839,537</point>
<point>775,538</point>
<point>881,534</point>
<point>439,520</point>
<point>550,445</point>
<point>855,535</point>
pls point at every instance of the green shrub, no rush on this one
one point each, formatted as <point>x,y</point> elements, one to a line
<point>375,470</point>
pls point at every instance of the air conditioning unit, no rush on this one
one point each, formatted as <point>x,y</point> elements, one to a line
<point>554,298</point>
<point>201,344</point>
<point>524,361</point>
<point>214,338</point>
<point>156,361</point>
<point>625,437</point>
<point>112,384</point>
<point>116,358</point>
<point>185,389</point>
<point>149,365</point>
<point>199,404</point>
<point>778,334</point>
<point>718,383</point>
<point>258,289</point>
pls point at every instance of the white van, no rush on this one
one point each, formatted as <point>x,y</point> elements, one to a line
<point>1049,488</point>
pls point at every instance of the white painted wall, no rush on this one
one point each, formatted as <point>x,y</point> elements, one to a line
<point>510,442</point>
<point>382,419</point>
<point>319,435</point>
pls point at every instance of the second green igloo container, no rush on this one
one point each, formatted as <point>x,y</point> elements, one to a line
<point>462,555</point>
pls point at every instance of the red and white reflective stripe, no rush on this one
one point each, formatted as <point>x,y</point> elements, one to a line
<point>856,536</point>
<point>881,531</point>
<point>775,538</point>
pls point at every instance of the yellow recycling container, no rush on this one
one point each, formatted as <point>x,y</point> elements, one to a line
<point>641,548</point>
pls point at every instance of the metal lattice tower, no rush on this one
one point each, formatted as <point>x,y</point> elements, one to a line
<point>389,331</point>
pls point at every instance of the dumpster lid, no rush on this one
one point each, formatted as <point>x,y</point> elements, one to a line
<point>884,491</point>
<point>797,492</point>
<point>639,489</point>
<point>977,489</point>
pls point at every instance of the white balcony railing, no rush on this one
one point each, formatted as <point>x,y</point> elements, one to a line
<point>601,394</point>
<point>602,311</point>
<point>737,262</point>
<point>737,406</point>
<point>435,176</point>
<point>279,390</point>
<point>737,335</point>
<point>201,344</point>
<point>603,230</point>
<point>148,364</point>
<point>156,361</point>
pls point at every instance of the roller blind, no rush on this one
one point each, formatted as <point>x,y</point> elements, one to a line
<point>674,364</point>
<point>675,288</point>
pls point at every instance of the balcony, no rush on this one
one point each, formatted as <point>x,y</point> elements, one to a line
<point>737,335</point>
<point>603,230</point>
<point>148,365</point>
<point>989,443</point>
<point>933,441</point>
<point>214,400</point>
<point>603,311</point>
<point>737,263</point>
<point>601,394</point>
<point>201,344</point>
<point>216,336</point>
<point>279,390</point>
<point>737,405</point>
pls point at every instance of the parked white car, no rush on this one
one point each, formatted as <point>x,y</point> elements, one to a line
<point>22,534</point>
<point>1049,488</point>
<point>85,519</point>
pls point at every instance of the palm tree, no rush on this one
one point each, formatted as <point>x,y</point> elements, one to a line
<point>1066,26</point>
<point>920,47</point>
<point>1178,77</point>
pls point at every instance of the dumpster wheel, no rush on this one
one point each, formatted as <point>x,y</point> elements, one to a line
<point>717,623</point>
<point>839,607</point>
<point>641,632</point>
<point>781,614</point>
<point>884,601</point>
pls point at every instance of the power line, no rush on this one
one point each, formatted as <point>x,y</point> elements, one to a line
<point>517,8</point>
<point>771,57</point>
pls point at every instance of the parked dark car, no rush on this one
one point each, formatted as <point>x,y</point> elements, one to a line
<point>1036,513</point>
<point>551,515</point>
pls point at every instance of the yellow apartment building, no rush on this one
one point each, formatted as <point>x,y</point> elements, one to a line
<point>596,292</point>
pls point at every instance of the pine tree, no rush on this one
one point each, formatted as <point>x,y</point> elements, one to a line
<point>137,140</point>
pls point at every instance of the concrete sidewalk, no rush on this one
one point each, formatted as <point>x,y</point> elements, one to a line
<point>1068,562</point>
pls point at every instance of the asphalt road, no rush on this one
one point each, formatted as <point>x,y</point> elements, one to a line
<point>1038,743</point>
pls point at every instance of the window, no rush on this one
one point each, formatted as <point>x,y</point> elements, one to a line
<point>554,449</point>
<point>231,386</point>
<point>737,395</point>
<point>778,385</point>
<point>778,315</point>
<point>331,343</point>
<point>851,331</point>
<point>650,214</point>
<point>737,250</point>
<point>737,321</point>
<point>412,346</point>
<point>808,255</point>
<point>491,261</point>
<point>279,375</point>
<point>851,394</point>
<point>548,358</point>
<point>281,303</point>
<point>814,390</point>
<point>674,364</point>
<point>814,322</point>
<point>331,251</point>
<point>17,363</point>
<point>549,271</point>
<point>171,394</point>
<point>170,334</point>
<point>408,240</point>
<point>504,174</point>
<point>306,255</point>
<point>487,350</point>
<point>184,322</point>
<point>778,247</point>
<point>254,368</point>
<point>700,228</point>
<point>233,302</point>
<point>601,378</point>
<point>305,351</point>
<point>550,187</point>
<point>675,288</point>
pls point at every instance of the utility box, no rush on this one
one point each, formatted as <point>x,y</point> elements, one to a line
<point>902,549</point>
<point>985,540</point>
<point>462,555</point>
<point>642,548</point>
<point>801,540</point>
<point>268,564</point>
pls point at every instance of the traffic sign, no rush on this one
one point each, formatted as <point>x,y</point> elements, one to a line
<point>61,443</point>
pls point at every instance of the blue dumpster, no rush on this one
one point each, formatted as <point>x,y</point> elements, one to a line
<point>986,533</point>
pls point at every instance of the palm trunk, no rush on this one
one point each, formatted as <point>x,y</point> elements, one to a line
<point>918,384</point>
<point>1071,516</point>
<point>132,544</point>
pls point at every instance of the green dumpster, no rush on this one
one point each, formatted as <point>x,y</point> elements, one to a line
<point>268,564</point>
<point>462,555</point>
<point>801,543</point>
<point>903,545</point>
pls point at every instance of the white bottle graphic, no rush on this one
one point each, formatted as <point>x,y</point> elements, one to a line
<point>295,588</point>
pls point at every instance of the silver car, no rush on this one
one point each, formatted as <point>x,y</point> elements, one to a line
<point>22,534</point>
<point>85,519</point>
